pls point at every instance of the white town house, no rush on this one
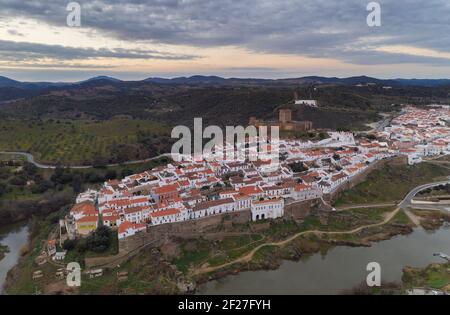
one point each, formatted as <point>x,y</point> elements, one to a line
<point>267,209</point>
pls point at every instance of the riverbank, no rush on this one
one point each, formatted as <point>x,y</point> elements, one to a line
<point>272,256</point>
<point>354,228</point>
<point>434,276</point>
<point>337,269</point>
<point>231,247</point>
<point>14,238</point>
<point>168,269</point>
<point>3,251</point>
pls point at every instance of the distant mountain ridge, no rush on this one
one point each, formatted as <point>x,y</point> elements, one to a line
<point>215,80</point>
<point>7,82</point>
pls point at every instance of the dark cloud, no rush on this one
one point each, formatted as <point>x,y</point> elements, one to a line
<point>315,28</point>
<point>26,52</point>
<point>62,65</point>
<point>14,33</point>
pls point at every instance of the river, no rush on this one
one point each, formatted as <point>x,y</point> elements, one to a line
<point>341,268</point>
<point>13,236</point>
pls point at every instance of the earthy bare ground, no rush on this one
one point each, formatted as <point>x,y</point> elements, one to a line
<point>414,219</point>
<point>375,205</point>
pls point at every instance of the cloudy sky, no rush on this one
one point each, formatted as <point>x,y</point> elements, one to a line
<point>135,39</point>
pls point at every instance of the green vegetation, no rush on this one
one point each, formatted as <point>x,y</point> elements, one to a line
<point>435,191</point>
<point>197,252</point>
<point>200,251</point>
<point>401,218</point>
<point>103,242</point>
<point>338,118</point>
<point>386,288</point>
<point>435,276</point>
<point>444,158</point>
<point>345,220</point>
<point>340,106</point>
<point>430,219</point>
<point>11,158</point>
<point>193,254</point>
<point>79,142</point>
<point>391,183</point>
<point>26,190</point>
<point>22,282</point>
<point>145,275</point>
<point>298,167</point>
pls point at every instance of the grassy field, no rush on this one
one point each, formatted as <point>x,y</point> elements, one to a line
<point>444,158</point>
<point>391,183</point>
<point>197,252</point>
<point>23,283</point>
<point>73,142</point>
<point>436,276</point>
<point>11,157</point>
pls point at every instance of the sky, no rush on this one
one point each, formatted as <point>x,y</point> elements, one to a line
<point>137,39</point>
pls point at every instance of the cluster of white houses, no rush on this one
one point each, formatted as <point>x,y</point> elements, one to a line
<point>191,190</point>
<point>419,133</point>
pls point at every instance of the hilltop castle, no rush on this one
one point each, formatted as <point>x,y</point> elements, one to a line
<point>285,122</point>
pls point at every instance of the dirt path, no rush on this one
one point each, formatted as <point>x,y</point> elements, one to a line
<point>375,205</point>
<point>414,219</point>
<point>249,256</point>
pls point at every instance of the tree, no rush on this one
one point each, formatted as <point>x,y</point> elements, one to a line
<point>100,240</point>
<point>77,183</point>
<point>30,169</point>
<point>2,189</point>
<point>69,244</point>
<point>93,177</point>
<point>298,167</point>
<point>126,172</point>
<point>18,181</point>
<point>42,187</point>
<point>111,174</point>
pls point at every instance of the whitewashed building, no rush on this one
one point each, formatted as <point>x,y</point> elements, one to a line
<point>127,229</point>
<point>306,192</point>
<point>267,209</point>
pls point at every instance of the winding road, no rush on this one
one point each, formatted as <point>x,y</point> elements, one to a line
<point>30,159</point>
<point>407,202</point>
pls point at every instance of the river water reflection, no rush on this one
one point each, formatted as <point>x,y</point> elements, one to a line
<point>13,236</point>
<point>341,268</point>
